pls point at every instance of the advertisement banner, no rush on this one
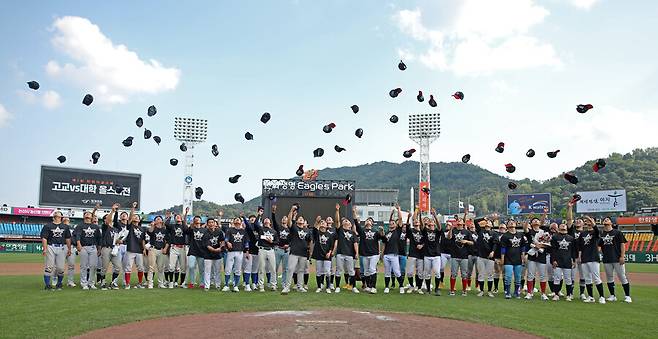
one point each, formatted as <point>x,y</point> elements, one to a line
<point>602,201</point>
<point>641,220</point>
<point>72,187</point>
<point>5,210</point>
<point>299,188</point>
<point>519,204</point>
<point>641,248</point>
<point>423,198</point>
<point>32,212</point>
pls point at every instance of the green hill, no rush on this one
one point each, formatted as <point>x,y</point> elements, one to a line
<point>637,172</point>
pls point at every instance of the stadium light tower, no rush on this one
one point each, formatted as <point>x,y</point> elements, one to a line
<point>190,131</point>
<point>423,130</point>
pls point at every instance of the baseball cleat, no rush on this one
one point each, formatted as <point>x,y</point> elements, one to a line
<point>302,290</point>
<point>355,290</point>
<point>58,287</point>
<point>601,300</point>
<point>628,299</point>
<point>150,286</point>
<point>507,296</point>
<point>261,289</point>
<point>556,298</point>
<point>285,291</point>
<point>481,293</point>
<point>569,298</point>
<point>551,294</point>
<point>85,287</point>
<point>171,285</point>
<point>337,290</point>
<point>544,297</point>
<point>127,287</point>
<point>140,286</point>
<point>583,297</point>
<point>247,288</point>
<point>528,296</point>
<point>71,284</point>
<point>373,291</point>
<point>103,286</point>
<point>561,294</point>
<point>464,293</point>
<point>612,298</point>
<point>386,290</point>
<point>318,290</point>
<point>588,300</point>
<point>236,289</point>
<point>226,289</point>
<point>401,290</point>
<point>452,293</point>
<point>495,291</point>
<point>490,295</point>
<point>114,286</point>
<point>92,287</point>
<point>328,290</point>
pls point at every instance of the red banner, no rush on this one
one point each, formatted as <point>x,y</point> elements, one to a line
<point>424,197</point>
<point>32,212</point>
<point>649,220</point>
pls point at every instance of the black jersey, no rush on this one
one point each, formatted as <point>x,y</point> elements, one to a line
<point>196,241</point>
<point>158,238</point>
<point>563,250</point>
<point>88,234</point>
<point>136,236</point>
<point>540,256</point>
<point>513,246</point>
<point>432,240</point>
<point>402,245</point>
<point>107,235</point>
<point>55,234</point>
<point>416,239</point>
<point>392,241</point>
<point>346,241</point>
<point>323,243</point>
<point>446,243</point>
<point>496,242</point>
<point>588,245</point>
<point>484,243</point>
<point>252,233</point>
<point>237,238</point>
<point>611,243</point>
<point>460,250</point>
<point>213,239</point>
<point>368,241</point>
<point>176,232</point>
<point>299,240</point>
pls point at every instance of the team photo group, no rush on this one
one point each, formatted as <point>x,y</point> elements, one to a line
<point>533,258</point>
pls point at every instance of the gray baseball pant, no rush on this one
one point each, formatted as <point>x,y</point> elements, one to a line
<point>431,264</point>
<point>562,273</point>
<point>88,263</point>
<point>458,264</point>
<point>537,269</point>
<point>612,269</point>
<point>266,264</point>
<point>344,263</point>
<point>415,266</point>
<point>70,265</point>
<point>211,267</point>
<point>370,263</point>
<point>485,268</point>
<point>296,264</point>
<point>391,265</point>
<point>55,258</point>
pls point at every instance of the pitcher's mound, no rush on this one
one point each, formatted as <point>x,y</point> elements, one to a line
<point>304,324</point>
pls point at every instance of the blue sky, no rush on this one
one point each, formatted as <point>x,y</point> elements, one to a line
<point>523,65</point>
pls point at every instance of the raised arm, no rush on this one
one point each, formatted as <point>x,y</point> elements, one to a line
<point>187,210</point>
<point>293,210</point>
<point>337,215</point>
<point>275,223</point>
<point>110,216</point>
<point>132,212</point>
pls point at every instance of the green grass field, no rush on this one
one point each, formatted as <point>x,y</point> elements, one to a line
<point>28,311</point>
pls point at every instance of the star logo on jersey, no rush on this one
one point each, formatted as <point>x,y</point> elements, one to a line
<point>57,232</point>
<point>147,237</point>
<point>198,235</point>
<point>178,232</point>
<point>113,234</point>
<point>564,244</point>
<point>431,236</point>
<point>389,235</point>
<point>348,235</point>
<point>138,232</point>
<point>159,237</point>
<point>213,241</point>
<point>486,237</point>
<point>284,234</point>
<point>587,239</point>
<point>89,232</point>
<point>459,237</point>
<point>516,242</point>
<point>302,234</point>
<point>607,240</point>
<point>323,239</point>
<point>418,237</point>
<point>576,235</point>
<point>475,237</point>
<point>370,235</point>
<point>403,236</point>
<point>237,237</point>
<point>268,235</point>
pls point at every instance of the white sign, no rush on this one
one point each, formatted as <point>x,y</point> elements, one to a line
<point>602,201</point>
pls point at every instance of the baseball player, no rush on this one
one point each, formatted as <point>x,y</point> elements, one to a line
<point>462,239</point>
<point>472,256</point>
<point>415,258</point>
<point>108,234</point>
<point>236,242</point>
<point>575,228</point>
<point>299,249</point>
<point>347,250</point>
<point>250,263</point>
<point>56,244</point>
<point>370,250</point>
<point>588,253</point>
<point>70,258</point>
<point>402,243</point>
<point>88,241</point>
<point>283,247</point>
<point>432,236</point>
<point>135,249</point>
<point>512,251</point>
<point>266,239</point>
<point>213,240</point>
<point>392,242</point>
<point>563,256</point>
<point>195,254</point>
<point>485,254</point>
<point>157,252</point>
<point>177,246</point>
<point>539,240</point>
<point>447,245</point>
<point>611,245</point>
<point>323,244</point>
<point>331,229</point>
<point>498,262</point>
<point>552,230</point>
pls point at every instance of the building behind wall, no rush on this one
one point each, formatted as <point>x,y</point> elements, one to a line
<point>375,203</point>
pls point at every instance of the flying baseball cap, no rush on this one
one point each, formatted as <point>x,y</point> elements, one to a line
<point>265,117</point>
<point>234,179</point>
<point>88,99</point>
<point>402,66</point>
<point>318,152</point>
<point>33,85</point>
<point>355,108</point>
<point>151,111</point>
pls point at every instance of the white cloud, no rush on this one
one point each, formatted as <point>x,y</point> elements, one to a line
<point>4,116</point>
<point>406,55</point>
<point>486,36</point>
<point>584,4</point>
<point>51,100</point>
<point>109,71</point>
